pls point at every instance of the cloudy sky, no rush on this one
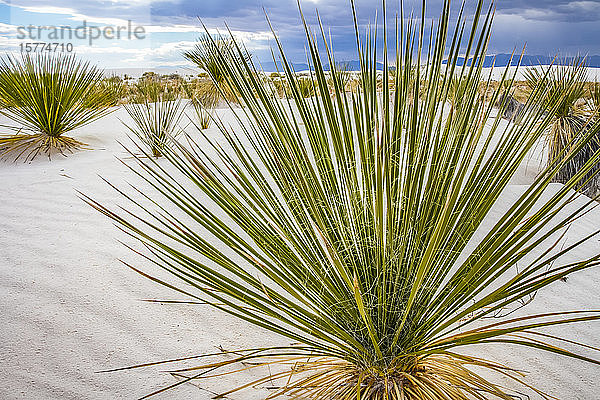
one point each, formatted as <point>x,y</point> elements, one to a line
<point>165,28</point>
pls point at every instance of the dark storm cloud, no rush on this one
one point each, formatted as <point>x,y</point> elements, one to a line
<point>547,26</point>
<point>553,10</point>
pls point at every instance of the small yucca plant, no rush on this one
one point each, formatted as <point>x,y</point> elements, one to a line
<point>201,112</point>
<point>344,224</point>
<point>457,89</point>
<point>156,121</point>
<point>48,96</point>
<point>306,87</point>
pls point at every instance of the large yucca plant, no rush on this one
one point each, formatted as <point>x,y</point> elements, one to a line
<point>342,223</point>
<point>48,96</point>
<point>570,117</point>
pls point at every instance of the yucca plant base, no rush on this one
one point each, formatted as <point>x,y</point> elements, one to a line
<point>28,146</point>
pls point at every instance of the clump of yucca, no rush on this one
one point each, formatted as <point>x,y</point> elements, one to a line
<point>306,87</point>
<point>344,223</point>
<point>216,88</point>
<point>156,118</point>
<point>48,96</point>
<point>568,83</point>
<point>202,115</point>
<point>570,120</point>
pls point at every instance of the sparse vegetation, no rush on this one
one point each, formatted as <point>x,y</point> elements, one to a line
<point>115,88</point>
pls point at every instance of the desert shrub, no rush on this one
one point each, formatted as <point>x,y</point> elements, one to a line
<point>48,96</point>
<point>345,229</point>
<point>149,90</point>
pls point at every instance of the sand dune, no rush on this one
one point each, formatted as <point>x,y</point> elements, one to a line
<point>69,308</point>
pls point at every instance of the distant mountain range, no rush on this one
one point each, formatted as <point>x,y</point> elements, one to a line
<point>498,60</point>
<point>501,60</point>
<point>350,65</point>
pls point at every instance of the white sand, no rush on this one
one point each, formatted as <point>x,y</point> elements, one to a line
<point>70,308</point>
<point>592,74</point>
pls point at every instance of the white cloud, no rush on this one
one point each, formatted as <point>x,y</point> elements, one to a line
<point>48,10</point>
<point>76,16</point>
<point>6,29</point>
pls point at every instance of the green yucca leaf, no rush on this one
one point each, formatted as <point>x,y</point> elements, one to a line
<point>343,221</point>
<point>47,96</point>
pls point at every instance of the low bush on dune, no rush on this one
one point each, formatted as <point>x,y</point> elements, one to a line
<point>48,96</point>
<point>342,224</point>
